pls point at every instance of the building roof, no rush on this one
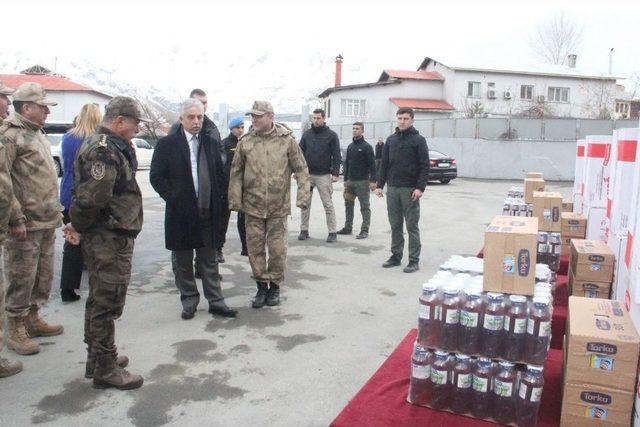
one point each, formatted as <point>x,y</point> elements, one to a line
<point>330,90</point>
<point>422,104</point>
<point>49,82</point>
<point>536,69</point>
<point>410,75</point>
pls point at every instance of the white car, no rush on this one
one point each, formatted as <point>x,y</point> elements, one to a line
<point>144,153</point>
<point>56,150</point>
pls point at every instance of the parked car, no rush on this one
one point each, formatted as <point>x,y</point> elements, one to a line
<point>56,150</point>
<point>144,153</point>
<point>442,167</point>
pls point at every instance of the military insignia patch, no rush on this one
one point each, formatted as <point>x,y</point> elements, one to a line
<point>97,170</point>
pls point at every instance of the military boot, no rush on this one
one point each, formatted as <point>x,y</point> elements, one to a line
<point>18,340</point>
<point>9,367</point>
<point>261,296</point>
<point>121,361</point>
<point>37,327</point>
<point>108,374</point>
<point>273,295</point>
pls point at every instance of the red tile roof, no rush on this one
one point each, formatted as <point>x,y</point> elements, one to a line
<point>422,104</point>
<point>48,82</point>
<point>412,75</point>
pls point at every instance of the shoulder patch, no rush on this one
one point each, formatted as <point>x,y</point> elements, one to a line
<point>103,141</point>
<point>98,170</point>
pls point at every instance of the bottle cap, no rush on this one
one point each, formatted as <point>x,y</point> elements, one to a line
<point>517,298</point>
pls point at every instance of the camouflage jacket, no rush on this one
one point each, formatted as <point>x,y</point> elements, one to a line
<point>34,201</point>
<point>260,178</point>
<point>6,191</point>
<point>106,193</point>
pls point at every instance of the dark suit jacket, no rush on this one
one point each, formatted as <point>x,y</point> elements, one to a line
<point>170,176</point>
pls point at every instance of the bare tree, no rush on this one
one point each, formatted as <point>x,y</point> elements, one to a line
<point>157,119</point>
<point>555,39</point>
<point>473,109</point>
<point>600,100</point>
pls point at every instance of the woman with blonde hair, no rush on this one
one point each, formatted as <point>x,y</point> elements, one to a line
<point>85,124</point>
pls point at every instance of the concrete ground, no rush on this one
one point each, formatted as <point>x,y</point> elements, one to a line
<point>294,365</point>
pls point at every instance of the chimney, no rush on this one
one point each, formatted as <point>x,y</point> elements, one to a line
<point>338,71</point>
<point>572,60</point>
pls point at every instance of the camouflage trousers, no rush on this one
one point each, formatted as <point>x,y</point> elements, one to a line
<point>108,258</point>
<point>1,293</point>
<point>29,266</point>
<point>267,234</point>
<point>357,190</point>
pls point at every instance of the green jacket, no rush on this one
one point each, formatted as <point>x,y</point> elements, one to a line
<point>6,192</point>
<point>260,178</point>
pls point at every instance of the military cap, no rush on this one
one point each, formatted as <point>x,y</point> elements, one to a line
<point>236,121</point>
<point>260,107</point>
<point>5,90</point>
<point>32,92</point>
<point>126,107</point>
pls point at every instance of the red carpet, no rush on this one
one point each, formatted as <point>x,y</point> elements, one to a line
<point>382,400</point>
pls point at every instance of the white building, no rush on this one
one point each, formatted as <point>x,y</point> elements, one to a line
<point>440,90</point>
<point>69,95</point>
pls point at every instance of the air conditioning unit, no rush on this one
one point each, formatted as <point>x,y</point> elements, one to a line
<point>507,94</point>
<point>540,98</point>
<point>491,94</point>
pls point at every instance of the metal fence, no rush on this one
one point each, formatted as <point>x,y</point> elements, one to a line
<point>497,128</point>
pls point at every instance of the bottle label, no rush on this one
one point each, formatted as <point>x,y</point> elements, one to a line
<point>469,319</point>
<point>423,312</point>
<point>536,394</point>
<point>452,316</point>
<point>420,372</point>
<point>595,412</point>
<point>543,331</point>
<point>522,392</point>
<point>542,248</point>
<point>439,377</point>
<point>464,381</point>
<point>601,362</point>
<point>503,389</point>
<point>520,326</point>
<point>480,384</point>
<point>493,322</point>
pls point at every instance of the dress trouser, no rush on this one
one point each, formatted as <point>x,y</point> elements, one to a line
<point>72,262</point>
<point>400,209</point>
<point>325,188</point>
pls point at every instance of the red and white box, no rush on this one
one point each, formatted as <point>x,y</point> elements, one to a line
<point>610,164</point>
<point>578,181</point>
<point>627,178</point>
<point>597,168</point>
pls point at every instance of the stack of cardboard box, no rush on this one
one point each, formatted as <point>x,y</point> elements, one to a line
<point>547,207</point>
<point>531,185</point>
<point>574,226</point>
<point>600,361</point>
<point>591,269</point>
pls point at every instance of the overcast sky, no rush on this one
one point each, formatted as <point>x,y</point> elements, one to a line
<point>142,40</point>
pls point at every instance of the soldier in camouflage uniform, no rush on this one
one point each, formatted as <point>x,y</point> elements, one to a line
<point>260,186</point>
<point>35,214</point>
<point>107,210</point>
<point>7,367</point>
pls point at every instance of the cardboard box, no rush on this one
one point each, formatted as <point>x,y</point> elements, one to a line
<point>622,209</point>
<point>535,175</point>
<point>510,245</point>
<point>573,225</point>
<point>565,248</point>
<point>567,205</point>
<point>591,405</point>
<point>598,154</point>
<point>602,345</point>
<point>547,207</point>
<point>531,185</point>
<point>578,182</point>
<point>588,289</point>
<point>591,260</point>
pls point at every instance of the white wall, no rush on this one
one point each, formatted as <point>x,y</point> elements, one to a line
<point>71,102</point>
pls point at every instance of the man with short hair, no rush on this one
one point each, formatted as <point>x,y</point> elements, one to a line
<point>35,215</point>
<point>405,167</point>
<point>107,210</point>
<point>260,186</point>
<point>189,177</point>
<point>321,148</point>
<point>230,144</point>
<point>359,180</point>
<point>7,367</point>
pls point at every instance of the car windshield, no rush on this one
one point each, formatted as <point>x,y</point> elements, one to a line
<point>436,155</point>
<point>54,139</point>
<point>141,143</point>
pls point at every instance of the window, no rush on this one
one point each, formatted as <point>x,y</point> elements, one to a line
<point>558,94</point>
<point>526,92</point>
<point>354,108</point>
<point>622,109</point>
<point>473,89</point>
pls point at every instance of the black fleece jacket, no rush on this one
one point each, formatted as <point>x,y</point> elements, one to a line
<point>321,149</point>
<point>405,160</point>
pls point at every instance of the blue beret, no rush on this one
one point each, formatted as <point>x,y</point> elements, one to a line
<point>236,121</point>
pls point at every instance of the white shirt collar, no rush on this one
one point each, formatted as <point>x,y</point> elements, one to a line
<point>188,135</point>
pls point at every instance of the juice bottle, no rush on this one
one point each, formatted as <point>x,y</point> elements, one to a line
<point>538,331</point>
<point>492,325</point>
<point>481,388</point>
<point>470,321</point>
<point>529,396</point>
<point>543,248</point>
<point>450,319</point>
<point>504,392</point>
<point>461,384</point>
<point>429,321</point>
<point>420,384</point>
<point>440,381</point>
<point>515,328</point>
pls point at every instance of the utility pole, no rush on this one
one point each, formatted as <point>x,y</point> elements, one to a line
<point>610,61</point>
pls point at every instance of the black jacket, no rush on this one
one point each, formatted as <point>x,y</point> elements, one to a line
<point>229,145</point>
<point>379,148</point>
<point>359,164</point>
<point>405,160</point>
<point>170,176</point>
<point>321,149</point>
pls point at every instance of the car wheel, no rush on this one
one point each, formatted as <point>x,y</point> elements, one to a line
<point>445,181</point>
<point>58,167</point>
